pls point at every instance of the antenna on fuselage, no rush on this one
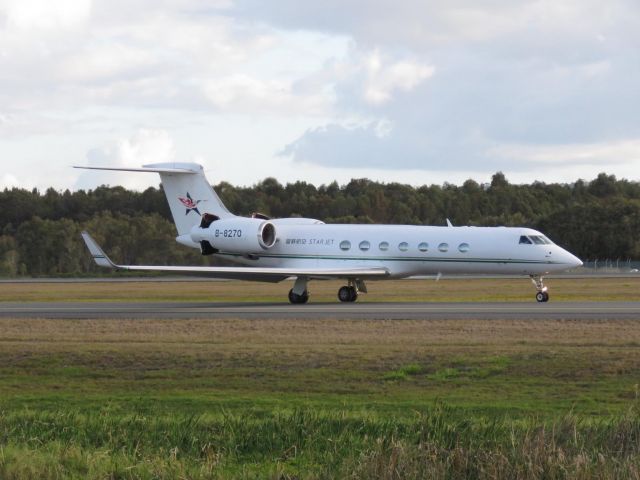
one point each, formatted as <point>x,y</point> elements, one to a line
<point>449,224</point>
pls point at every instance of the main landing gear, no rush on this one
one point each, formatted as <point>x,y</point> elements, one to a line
<point>542,295</point>
<point>347,293</point>
<point>299,293</point>
<point>296,299</point>
<point>350,292</point>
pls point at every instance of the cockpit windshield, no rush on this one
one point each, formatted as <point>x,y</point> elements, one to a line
<point>534,240</point>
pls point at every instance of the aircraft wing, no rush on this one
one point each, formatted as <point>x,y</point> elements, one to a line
<point>264,274</point>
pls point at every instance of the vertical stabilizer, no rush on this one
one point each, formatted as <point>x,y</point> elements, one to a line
<point>188,192</point>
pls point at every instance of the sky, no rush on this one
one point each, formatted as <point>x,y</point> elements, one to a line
<point>411,91</point>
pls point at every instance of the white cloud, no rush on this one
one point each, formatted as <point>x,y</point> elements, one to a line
<point>377,85</point>
<point>145,146</point>
<point>500,76</point>
<point>409,149</point>
<point>183,54</point>
<point>22,126</point>
<point>603,153</point>
<point>9,180</point>
<point>45,14</point>
<point>244,93</point>
<point>102,64</point>
<point>383,79</point>
<point>425,26</point>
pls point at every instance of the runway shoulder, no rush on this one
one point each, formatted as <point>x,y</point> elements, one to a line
<point>371,311</point>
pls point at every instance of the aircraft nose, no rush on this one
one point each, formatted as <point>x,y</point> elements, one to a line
<point>572,260</point>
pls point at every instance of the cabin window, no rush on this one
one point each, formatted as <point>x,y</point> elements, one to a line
<point>463,247</point>
<point>364,245</point>
<point>443,247</point>
<point>403,247</point>
<point>345,245</point>
<point>384,246</point>
<point>524,240</point>
<point>423,247</point>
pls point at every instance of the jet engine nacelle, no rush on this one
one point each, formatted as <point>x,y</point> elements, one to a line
<point>236,235</point>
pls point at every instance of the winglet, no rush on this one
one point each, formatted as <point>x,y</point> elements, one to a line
<point>96,252</point>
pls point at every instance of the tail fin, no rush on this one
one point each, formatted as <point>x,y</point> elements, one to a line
<point>188,192</point>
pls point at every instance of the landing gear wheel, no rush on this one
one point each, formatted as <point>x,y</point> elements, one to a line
<point>298,299</point>
<point>347,294</point>
<point>542,297</point>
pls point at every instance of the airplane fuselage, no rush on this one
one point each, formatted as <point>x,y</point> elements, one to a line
<point>404,250</point>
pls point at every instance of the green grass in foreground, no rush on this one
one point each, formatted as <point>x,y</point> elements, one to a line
<point>439,442</point>
<point>105,399</point>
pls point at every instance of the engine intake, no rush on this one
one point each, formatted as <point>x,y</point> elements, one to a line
<point>267,235</point>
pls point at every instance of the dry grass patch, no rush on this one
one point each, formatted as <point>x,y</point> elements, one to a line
<point>562,289</point>
<point>264,332</point>
<point>468,360</point>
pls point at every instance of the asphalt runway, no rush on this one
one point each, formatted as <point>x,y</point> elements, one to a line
<point>372,311</point>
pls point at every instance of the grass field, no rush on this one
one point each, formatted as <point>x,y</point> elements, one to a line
<point>445,290</point>
<point>319,398</point>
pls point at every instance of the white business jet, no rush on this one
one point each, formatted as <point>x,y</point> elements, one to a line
<point>273,250</point>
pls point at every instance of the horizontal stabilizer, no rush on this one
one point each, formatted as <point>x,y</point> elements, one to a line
<point>147,168</point>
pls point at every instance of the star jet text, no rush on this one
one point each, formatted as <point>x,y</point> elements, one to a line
<point>309,241</point>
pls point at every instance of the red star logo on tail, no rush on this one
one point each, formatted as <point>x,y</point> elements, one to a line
<point>190,203</point>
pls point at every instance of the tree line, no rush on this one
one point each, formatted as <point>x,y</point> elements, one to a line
<point>40,231</point>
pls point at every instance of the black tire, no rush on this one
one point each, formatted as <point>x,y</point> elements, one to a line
<point>296,299</point>
<point>344,294</point>
<point>293,298</point>
<point>540,297</point>
<point>354,294</point>
<point>546,296</point>
<point>304,298</point>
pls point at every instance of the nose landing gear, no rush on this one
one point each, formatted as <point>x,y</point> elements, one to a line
<point>542,295</point>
